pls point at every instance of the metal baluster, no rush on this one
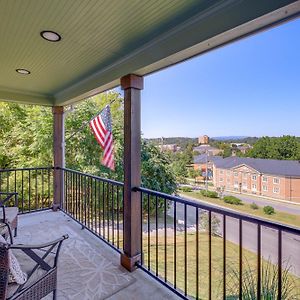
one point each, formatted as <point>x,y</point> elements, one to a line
<point>99,207</point>
<point>48,187</point>
<point>118,218</point>
<point>107,203</point>
<point>142,250</point>
<point>165,238</point>
<point>197,253</point>
<point>175,231</point>
<point>209,255</point>
<point>112,214</point>
<point>185,250</point>
<point>148,223</point>
<point>29,190</point>
<point>42,198</point>
<point>224,256</point>
<point>95,206</point>
<point>258,261</point>
<point>156,236</point>
<point>36,190</point>
<point>241,258</point>
<point>103,208</point>
<point>22,191</point>
<point>279,264</point>
<point>85,202</point>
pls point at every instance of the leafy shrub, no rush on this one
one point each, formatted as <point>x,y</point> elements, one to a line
<point>209,194</point>
<point>232,200</point>
<point>269,210</point>
<point>186,189</point>
<point>253,205</point>
<point>269,282</point>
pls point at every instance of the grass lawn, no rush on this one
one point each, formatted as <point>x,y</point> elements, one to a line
<point>232,266</point>
<point>282,217</point>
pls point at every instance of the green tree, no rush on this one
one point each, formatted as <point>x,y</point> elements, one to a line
<point>285,147</point>
<point>26,141</point>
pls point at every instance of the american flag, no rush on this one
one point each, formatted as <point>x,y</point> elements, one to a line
<point>102,129</point>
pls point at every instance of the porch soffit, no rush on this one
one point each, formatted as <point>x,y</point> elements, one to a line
<point>105,40</point>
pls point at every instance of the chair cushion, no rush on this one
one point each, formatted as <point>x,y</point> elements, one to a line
<point>10,214</point>
<point>27,264</point>
<point>15,273</point>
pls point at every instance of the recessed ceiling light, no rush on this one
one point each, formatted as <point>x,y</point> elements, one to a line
<point>23,71</point>
<point>50,36</point>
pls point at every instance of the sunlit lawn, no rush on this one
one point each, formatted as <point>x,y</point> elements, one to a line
<point>232,266</point>
<point>282,217</point>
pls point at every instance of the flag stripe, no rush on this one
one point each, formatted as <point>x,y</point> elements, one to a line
<point>102,130</point>
<point>96,134</point>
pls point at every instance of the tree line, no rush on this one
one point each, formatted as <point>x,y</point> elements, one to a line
<point>26,140</point>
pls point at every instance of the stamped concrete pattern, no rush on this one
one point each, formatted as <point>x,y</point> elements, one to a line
<point>88,268</point>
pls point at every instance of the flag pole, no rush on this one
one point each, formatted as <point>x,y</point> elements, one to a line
<point>87,122</point>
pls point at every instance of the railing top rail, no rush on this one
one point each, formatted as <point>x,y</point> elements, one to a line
<point>224,211</point>
<point>92,176</point>
<point>25,169</point>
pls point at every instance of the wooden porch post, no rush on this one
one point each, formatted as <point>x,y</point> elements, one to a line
<point>58,154</point>
<point>132,86</point>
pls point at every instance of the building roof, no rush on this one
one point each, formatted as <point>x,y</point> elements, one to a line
<point>201,159</point>
<point>203,148</point>
<point>266,166</point>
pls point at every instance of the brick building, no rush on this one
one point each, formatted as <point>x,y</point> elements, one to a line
<point>203,140</point>
<point>203,160</point>
<point>265,177</point>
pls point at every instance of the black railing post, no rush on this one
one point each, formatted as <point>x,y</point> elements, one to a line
<point>58,155</point>
<point>132,86</point>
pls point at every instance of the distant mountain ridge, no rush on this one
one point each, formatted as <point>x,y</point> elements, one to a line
<point>230,137</point>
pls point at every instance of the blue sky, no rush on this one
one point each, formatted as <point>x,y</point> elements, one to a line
<point>250,87</point>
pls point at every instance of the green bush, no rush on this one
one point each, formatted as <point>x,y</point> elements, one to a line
<point>253,205</point>
<point>209,194</point>
<point>232,200</point>
<point>269,210</point>
<point>186,189</point>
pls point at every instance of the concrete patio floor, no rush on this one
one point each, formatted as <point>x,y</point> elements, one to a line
<point>87,268</point>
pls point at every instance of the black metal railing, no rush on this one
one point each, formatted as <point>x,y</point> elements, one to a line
<point>34,187</point>
<point>206,252</point>
<point>96,203</point>
<point>195,249</point>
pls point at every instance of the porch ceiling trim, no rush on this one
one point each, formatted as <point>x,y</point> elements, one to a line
<point>221,23</point>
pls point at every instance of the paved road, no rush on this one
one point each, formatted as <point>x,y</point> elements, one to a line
<point>269,238</point>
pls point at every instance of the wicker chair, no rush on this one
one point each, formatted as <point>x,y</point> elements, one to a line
<point>9,215</point>
<point>40,264</point>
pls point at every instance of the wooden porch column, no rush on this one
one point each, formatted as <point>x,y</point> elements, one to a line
<point>132,86</point>
<point>58,154</point>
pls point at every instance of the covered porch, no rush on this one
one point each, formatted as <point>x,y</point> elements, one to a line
<point>90,47</point>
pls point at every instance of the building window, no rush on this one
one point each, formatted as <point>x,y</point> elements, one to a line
<point>221,179</point>
<point>265,179</point>
<point>235,173</point>
<point>276,180</point>
<point>253,177</point>
<point>265,188</point>
<point>245,175</point>
<point>276,190</point>
<point>228,172</point>
<point>236,183</point>
<point>221,172</point>
<point>245,186</point>
<point>254,186</point>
